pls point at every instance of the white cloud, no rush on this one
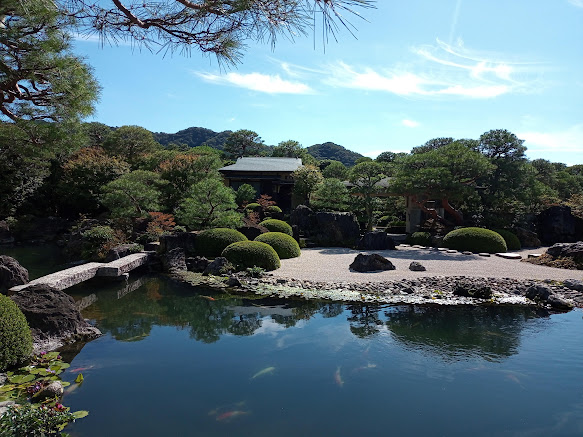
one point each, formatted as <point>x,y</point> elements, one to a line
<point>578,3</point>
<point>409,123</point>
<point>568,142</point>
<point>441,70</point>
<point>270,84</point>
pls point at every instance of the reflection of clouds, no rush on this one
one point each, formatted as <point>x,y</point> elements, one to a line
<point>269,327</point>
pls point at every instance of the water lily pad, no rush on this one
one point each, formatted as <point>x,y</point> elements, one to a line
<point>20,379</point>
<point>80,414</point>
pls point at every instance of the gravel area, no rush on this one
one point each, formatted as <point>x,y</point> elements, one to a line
<point>332,265</point>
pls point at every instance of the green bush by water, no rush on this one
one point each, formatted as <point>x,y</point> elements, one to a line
<point>212,242</point>
<point>245,254</point>
<point>274,225</point>
<point>15,337</point>
<point>285,245</point>
<point>475,240</point>
<point>512,241</point>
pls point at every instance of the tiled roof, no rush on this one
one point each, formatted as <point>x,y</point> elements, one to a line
<point>264,164</point>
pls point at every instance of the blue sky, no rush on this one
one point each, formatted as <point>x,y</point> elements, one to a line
<point>418,70</point>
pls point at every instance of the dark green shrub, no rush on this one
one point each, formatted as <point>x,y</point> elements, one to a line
<point>253,207</point>
<point>285,245</point>
<point>15,336</point>
<point>98,240</point>
<point>245,254</point>
<point>212,242</point>
<point>475,240</point>
<point>273,209</point>
<point>274,225</point>
<point>512,241</point>
<point>398,223</point>
<point>420,238</point>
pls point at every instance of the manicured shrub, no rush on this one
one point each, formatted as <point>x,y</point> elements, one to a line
<point>475,240</point>
<point>253,207</point>
<point>420,238</point>
<point>15,336</point>
<point>98,240</point>
<point>274,225</point>
<point>284,244</point>
<point>245,254</point>
<point>512,241</point>
<point>212,242</point>
<point>273,209</point>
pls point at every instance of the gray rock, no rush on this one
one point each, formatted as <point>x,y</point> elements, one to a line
<point>11,273</point>
<point>538,292</point>
<point>371,263</point>
<point>197,264</point>
<point>54,389</point>
<point>573,284</point>
<point>122,250</point>
<point>469,289</point>
<point>571,250</point>
<point>334,229</point>
<point>559,303</point>
<point>233,282</point>
<point>174,260</point>
<point>558,225</point>
<point>220,266</point>
<point>184,240</point>
<point>416,267</point>
<point>376,240</point>
<point>4,405</point>
<point>527,238</point>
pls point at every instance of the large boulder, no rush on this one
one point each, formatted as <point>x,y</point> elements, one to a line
<point>376,240</point>
<point>371,263</point>
<point>11,273</point>
<point>174,260</point>
<point>53,317</point>
<point>219,266</point>
<point>527,238</point>
<point>469,289</point>
<point>184,240</point>
<point>558,225</point>
<point>197,264</point>
<point>336,229</point>
<point>303,217</point>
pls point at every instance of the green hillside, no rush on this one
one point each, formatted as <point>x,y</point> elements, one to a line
<point>333,151</point>
<point>194,137</point>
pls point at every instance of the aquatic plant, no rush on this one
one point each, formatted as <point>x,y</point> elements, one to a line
<point>212,242</point>
<point>15,337</point>
<point>475,240</point>
<point>274,225</point>
<point>244,254</point>
<point>255,272</point>
<point>284,244</point>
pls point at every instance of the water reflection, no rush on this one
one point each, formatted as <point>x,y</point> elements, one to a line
<point>129,311</point>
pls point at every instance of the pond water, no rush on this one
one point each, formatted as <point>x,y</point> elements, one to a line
<point>174,362</point>
<point>180,361</point>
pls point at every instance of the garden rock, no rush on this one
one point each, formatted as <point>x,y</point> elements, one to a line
<point>183,240</point>
<point>332,229</point>
<point>174,260</point>
<point>538,292</point>
<point>197,264</point>
<point>559,303</point>
<point>11,273</point>
<point>571,250</point>
<point>53,316</point>
<point>4,405</point>
<point>120,251</point>
<point>252,231</point>
<point>416,267</point>
<point>220,266</point>
<point>468,289</point>
<point>527,238</point>
<point>376,240</point>
<point>558,225</point>
<point>233,281</point>
<point>54,389</point>
<point>371,263</point>
<point>573,284</point>
<point>303,217</point>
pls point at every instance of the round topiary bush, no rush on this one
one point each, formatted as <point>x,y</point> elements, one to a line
<point>253,207</point>
<point>273,209</point>
<point>274,225</point>
<point>512,241</point>
<point>475,240</point>
<point>245,254</point>
<point>285,245</point>
<point>420,238</point>
<point>211,242</point>
<point>15,336</point>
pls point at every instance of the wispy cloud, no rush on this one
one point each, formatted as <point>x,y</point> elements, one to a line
<point>441,70</point>
<point>566,141</point>
<point>578,3</point>
<point>409,123</point>
<point>270,84</point>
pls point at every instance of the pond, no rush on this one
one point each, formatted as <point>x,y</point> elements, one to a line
<point>180,361</point>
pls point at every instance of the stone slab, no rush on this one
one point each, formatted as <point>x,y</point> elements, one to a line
<point>124,265</point>
<point>509,255</point>
<point>65,278</point>
<point>534,255</point>
<point>484,254</point>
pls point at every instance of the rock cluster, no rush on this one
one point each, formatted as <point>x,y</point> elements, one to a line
<point>11,273</point>
<point>371,263</point>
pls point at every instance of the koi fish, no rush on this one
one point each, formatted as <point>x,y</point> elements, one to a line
<point>266,371</point>
<point>338,378</point>
<point>224,408</point>
<point>207,297</point>
<point>230,415</point>
<point>81,369</point>
<point>368,366</point>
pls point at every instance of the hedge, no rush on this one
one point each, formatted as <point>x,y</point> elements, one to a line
<point>212,242</point>
<point>15,336</point>
<point>285,245</point>
<point>274,225</point>
<point>512,241</point>
<point>245,254</point>
<point>475,240</point>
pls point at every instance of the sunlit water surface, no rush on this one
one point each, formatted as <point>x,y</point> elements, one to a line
<point>174,362</point>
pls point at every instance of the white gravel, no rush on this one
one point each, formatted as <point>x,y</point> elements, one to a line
<point>332,264</point>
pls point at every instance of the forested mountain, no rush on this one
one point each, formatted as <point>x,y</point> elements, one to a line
<point>194,137</point>
<point>333,151</point>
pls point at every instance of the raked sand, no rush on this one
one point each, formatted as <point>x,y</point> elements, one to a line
<point>332,264</point>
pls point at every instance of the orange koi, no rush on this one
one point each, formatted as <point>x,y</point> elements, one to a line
<point>338,377</point>
<point>207,297</point>
<point>230,415</point>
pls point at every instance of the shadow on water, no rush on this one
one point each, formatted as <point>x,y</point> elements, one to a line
<point>39,260</point>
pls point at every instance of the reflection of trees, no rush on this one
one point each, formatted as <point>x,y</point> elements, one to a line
<point>245,324</point>
<point>331,310</point>
<point>364,319</point>
<point>492,332</point>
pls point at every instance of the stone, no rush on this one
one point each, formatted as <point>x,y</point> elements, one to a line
<point>174,260</point>
<point>332,229</point>
<point>559,303</point>
<point>573,284</point>
<point>371,263</point>
<point>197,264</point>
<point>527,238</point>
<point>233,281</point>
<point>467,252</point>
<point>122,250</point>
<point>508,255</point>
<point>469,289</point>
<point>534,255</point>
<point>54,389</point>
<point>220,266</point>
<point>184,240</point>
<point>557,224</point>
<point>252,231</point>
<point>6,236</point>
<point>451,251</point>
<point>152,246</point>
<point>11,273</point>
<point>53,316</point>
<point>484,254</point>
<point>571,250</point>
<point>416,267</point>
<point>4,405</point>
<point>538,292</point>
<point>303,217</point>
<point>376,240</point>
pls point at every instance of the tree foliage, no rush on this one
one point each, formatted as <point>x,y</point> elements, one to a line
<point>130,143</point>
<point>330,195</point>
<point>243,142</point>
<point>306,179</point>
<point>365,177</point>
<point>133,195</point>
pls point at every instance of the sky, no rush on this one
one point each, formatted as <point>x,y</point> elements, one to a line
<point>417,70</point>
